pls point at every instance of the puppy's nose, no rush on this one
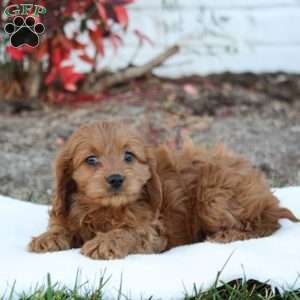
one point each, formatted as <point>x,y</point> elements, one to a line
<point>115,180</point>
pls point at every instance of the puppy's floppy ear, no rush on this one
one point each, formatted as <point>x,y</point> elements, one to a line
<point>64,184</point>
<point>153,186</point>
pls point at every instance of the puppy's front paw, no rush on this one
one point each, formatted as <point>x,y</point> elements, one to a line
<point>49,242</point>
<point>105,246</point>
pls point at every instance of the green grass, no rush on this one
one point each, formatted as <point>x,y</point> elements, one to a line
<point>238,290</point>
<point>235,290</point>
<point>57,291</point>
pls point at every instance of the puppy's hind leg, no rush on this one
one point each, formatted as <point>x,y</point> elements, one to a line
<point>215,206</point>
<point>236,204</point>
<point>264,226</point>
<point>230,235</point>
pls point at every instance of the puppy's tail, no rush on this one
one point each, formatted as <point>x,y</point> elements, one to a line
<point>284,213</point>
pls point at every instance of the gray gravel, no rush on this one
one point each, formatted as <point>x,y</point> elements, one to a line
<point>29,141</point>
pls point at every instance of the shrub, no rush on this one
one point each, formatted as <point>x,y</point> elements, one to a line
<point>28,69</point>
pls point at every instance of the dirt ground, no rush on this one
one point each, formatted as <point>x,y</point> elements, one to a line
<point>257,116</point>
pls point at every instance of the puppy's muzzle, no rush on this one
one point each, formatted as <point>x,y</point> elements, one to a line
<point>115,181</point>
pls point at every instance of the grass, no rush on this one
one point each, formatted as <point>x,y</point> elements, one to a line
<point>234,290</point>
<point>60,292</point>
<point>239,289</point>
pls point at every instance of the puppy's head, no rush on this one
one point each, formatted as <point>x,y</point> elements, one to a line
<point>109,164</point>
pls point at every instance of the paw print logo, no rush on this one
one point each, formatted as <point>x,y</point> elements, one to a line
<point>24,32</point>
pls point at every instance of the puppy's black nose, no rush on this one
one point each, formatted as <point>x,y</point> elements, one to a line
<point>115,180</point>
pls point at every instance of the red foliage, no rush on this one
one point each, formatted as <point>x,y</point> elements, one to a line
<point>15,53</point>
<point>67,98</point>
<point>56,47</point>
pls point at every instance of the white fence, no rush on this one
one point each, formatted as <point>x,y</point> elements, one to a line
<point>215,35</point>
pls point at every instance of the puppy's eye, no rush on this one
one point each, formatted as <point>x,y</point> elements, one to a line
<point>129,156</point>
<point>92,160</point>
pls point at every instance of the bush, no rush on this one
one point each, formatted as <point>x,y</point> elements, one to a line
<point>28,71</point>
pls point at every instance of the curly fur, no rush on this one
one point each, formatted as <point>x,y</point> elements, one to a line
<point>169,198</point>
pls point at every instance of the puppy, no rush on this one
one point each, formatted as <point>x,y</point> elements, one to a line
<point>116,196</point>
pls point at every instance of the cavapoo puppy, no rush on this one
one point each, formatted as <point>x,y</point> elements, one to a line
<point>115,195</point>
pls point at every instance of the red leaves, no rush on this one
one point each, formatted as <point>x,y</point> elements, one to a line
<point>101,11</point>
<point>76,6</point>
<point>15,53</point>
<point>70,78</point>
<point>55,47</point>
<point>63,97</point>
<point>87,59</point>
<point>121,15</point>
<point>61,50</point>
<point>114,10</point>
<point>67,76</point>
<point>57,56</point>
<point>67,44</point>
<point>96,37</point>
<point>51,76</point>
<point>117,2</point>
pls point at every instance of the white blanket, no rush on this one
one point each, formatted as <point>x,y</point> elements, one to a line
<point>170,275</point>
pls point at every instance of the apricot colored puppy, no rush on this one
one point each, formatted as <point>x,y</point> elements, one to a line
<point>115,196</point>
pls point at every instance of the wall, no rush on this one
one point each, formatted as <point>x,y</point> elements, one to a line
<point>215,35</point>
